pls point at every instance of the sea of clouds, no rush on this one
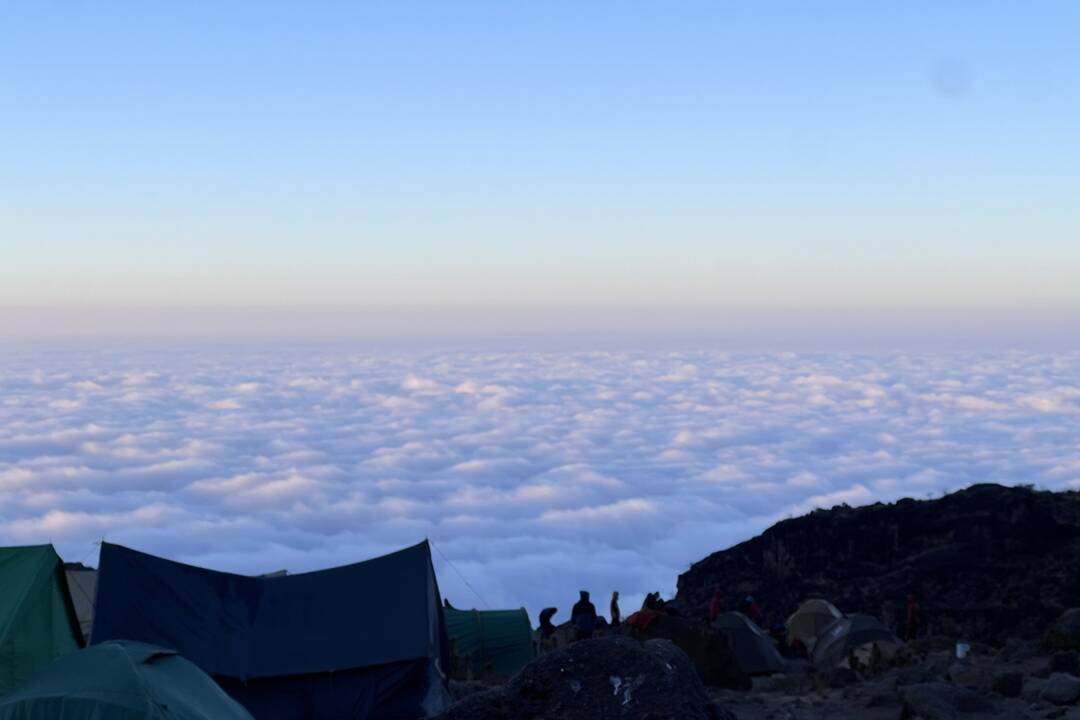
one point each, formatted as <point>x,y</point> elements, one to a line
<point>535,473</point>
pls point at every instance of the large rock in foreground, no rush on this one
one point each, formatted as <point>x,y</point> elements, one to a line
<point>986,563</point>
<point>613,678</point>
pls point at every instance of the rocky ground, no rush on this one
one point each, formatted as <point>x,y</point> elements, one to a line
<point>1020,682</point>
<point>618,677</point>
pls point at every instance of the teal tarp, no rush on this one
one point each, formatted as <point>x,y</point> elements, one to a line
<point>496,641</point>
<point>121,680</point>
<point>37,620</point>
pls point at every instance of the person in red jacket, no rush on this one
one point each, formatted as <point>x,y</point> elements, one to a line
<point>716,605</point>
<point>753,610</point>
<point>914,618</point>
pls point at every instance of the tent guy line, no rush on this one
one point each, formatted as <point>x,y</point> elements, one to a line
<point>458,573</point>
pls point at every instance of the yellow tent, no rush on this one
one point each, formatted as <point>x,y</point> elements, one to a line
<point>809,620</point>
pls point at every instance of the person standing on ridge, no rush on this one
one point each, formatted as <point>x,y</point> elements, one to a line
<point>583,615</point>
<point>616,615</point>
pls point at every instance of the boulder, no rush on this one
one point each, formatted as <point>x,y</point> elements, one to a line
<point>881,697</point>
<point>1033,687</point>
<point>841,677</point>
<point>1061,689</point>
<point>1016,649</point>
<point>976,676</point>
<point>1065,662</point>
<point>931,669</point>
<point>1064,633</point>
<point>942,701</point>
<point>1008,684</point>
<point>602,679</point>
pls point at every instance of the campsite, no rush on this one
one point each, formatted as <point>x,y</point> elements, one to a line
<point>550,360</point>
<point>375,640</point>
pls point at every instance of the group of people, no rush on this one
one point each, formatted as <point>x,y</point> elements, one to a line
<point>583,615</point>
<point>585,620</point>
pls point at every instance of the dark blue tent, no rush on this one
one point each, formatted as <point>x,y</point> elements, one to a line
<point>365,641</point>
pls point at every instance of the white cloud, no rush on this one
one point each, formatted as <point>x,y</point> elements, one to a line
<point>413,383</point>
<point>805,479</point>
<point>87,386</point>
<point>489,466</point>
<point>1065,400</point>
<point>538,474</point>
<point>619,510</point>
<point>966,402</point>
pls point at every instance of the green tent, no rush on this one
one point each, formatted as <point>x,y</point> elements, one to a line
<point>755,653</point>
<point>121,680</point>
<point>37,619</point>
<point>498,642</point>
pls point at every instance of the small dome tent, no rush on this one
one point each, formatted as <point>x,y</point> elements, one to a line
<point>121,680</point>
<point>853,634</point>
<point>754,650</point>
<point>808,622</point>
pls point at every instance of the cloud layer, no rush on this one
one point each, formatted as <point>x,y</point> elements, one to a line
<point>535,474</point>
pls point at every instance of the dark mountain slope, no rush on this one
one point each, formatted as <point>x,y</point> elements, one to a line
<point>985,563</point>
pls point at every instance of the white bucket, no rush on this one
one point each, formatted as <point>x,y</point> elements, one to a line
<point>962,650</point>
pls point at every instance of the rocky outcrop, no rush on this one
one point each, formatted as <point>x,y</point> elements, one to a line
<point>986,563</point>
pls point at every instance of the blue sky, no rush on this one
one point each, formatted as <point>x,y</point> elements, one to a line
<point>785,154</point>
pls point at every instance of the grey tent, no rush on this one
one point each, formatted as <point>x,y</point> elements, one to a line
<point>849,634</point>
<point>753,649</point>
<point>82,582</point>
<point>363,641</point>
